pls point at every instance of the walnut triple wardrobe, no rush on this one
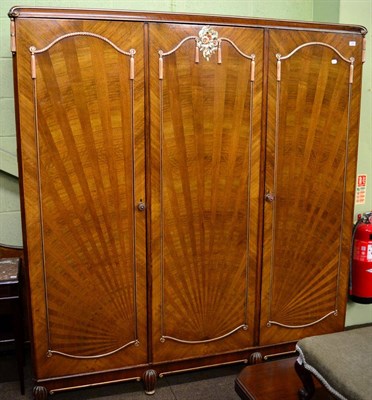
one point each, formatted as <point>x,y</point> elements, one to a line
<point>187,187</point>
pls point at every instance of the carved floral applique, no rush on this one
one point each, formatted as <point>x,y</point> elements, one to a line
<point>208,41</point>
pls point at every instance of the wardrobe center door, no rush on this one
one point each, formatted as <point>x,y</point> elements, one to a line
<point>81,115</point>
<point>314,86</point>
<point>206,89</point>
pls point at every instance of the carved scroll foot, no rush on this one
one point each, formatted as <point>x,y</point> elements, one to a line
<point>40,393</point>
<point>255,358</point>
<point>150,378</point>
<point>307,392</point>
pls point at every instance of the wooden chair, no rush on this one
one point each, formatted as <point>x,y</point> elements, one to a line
<point>11,307</point>
<point>341,361</point>
<point>9,251</point>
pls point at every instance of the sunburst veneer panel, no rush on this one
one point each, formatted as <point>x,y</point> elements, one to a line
<point>90,149</point>
<point>311,143</point>
<point>204,201</point>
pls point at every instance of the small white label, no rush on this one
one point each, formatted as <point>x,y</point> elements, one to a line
<point>352,43</point>
<point>369,252</point>
<point>334,61</point>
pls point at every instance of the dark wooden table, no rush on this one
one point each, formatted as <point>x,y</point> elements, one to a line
<point>273,380</point>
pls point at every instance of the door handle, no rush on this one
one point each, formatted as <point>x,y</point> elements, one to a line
<point>269,197</point>
<point>141,206</point>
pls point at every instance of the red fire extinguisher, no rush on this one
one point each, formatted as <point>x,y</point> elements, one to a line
<point>361,269</point>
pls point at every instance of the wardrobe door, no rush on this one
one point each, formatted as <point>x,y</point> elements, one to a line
<point>206,85</point>
<point>314,86</point>
<point>81,133</point>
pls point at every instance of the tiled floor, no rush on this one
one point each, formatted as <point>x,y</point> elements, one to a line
<point>209,384</point>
